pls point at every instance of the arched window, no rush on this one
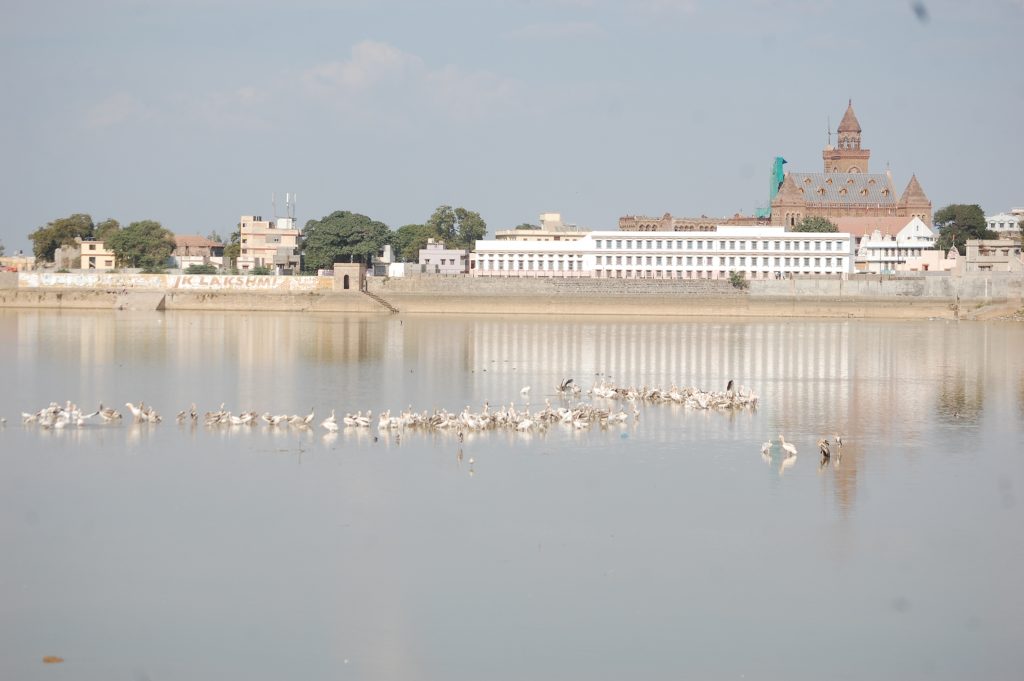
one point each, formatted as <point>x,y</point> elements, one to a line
<point>345,284</point>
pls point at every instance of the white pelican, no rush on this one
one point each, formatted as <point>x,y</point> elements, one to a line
<point>525,391</point>
<point>839,440</point>
<point>136,411</point>
<point>330,424</point>
<point>787,447</point>
<point>766,451</point>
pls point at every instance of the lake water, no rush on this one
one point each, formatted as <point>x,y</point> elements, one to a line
<point>664,548</point>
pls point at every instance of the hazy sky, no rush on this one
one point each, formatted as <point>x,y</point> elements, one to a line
<point>192,112</point>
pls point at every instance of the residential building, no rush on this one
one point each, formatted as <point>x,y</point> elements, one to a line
<point>845,187</point>
<point>18,262</point>
<point>1006,225</point>
<point>436,259</point>
<point>196,250</point>
<point>931,261</point>
<point>550,228</point>
<point>269,243</point>
<point>758,252</point>
<point>991,255</point>
<point>891,243</point>
<point>380,264</point>
<point>94,255</point>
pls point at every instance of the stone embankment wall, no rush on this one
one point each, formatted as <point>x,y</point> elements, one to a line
<point>913,296</point>
<point>990,287</point>
<point>174,282</point>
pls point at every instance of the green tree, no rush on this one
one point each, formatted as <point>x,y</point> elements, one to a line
<point>407,241</point>
<point>471,227</point>
<point>1,248</point>
<point>233,249</point>
<point>143,244</point>
<point>457,227</point>
<point>526,225</point>
<point>61,232</point>
<point>443,223</point>
<point>816,223</point>
<point>959,222</point>
<point>201,269</point>
<point>215,237</point>
<point>106,229</point>
<point>340,236</point>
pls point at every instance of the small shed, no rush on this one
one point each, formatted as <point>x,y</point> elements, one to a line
<point>349,276</point>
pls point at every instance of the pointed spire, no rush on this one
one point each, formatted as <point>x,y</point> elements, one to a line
<point>913,192</point>
<point>849,122</point>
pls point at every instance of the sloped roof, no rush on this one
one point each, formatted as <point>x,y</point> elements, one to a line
<point>194,241</point>
<point>913,192</point>
<point>860,226</point>
<point>845,188</point>
<point>849,122</point>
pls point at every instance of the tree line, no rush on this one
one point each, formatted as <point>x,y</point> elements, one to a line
<point>146,243</point>
<point>346,236</point>
<point>338,237</point>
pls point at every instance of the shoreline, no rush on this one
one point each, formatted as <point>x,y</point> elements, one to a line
<point>444,303</point>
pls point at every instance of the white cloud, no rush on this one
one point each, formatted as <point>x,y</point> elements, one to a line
<point>380,79</point>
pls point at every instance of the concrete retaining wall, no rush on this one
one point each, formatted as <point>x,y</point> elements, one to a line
<point>173,282</point>
<point>107,299</point>
<point>995,286</point>
<point>872,296</point>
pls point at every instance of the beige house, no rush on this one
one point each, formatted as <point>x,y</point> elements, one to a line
<point>550,228</point>
<point>196,250</point>
<point>95,255</point>
<point>991,255</point>
<point>268,243</point>
<point>931,261</point>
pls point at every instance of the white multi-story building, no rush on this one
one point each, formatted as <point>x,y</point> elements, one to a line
<point>1006,225</point>
<point>758,252</point>
<point>882,253</point>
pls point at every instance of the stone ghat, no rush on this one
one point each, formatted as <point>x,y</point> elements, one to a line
<point>554,286</point>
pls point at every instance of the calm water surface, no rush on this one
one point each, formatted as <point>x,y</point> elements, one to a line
<point>663,549</point>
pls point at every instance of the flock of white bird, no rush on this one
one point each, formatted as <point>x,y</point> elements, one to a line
<point>580,416</point>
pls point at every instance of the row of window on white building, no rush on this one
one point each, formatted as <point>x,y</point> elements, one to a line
<point>722,244</point>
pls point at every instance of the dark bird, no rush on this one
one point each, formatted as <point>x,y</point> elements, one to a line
<point>728,387</point>
<point>920,11</point>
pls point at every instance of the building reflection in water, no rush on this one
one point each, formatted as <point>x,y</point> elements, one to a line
<point>816,378</point>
